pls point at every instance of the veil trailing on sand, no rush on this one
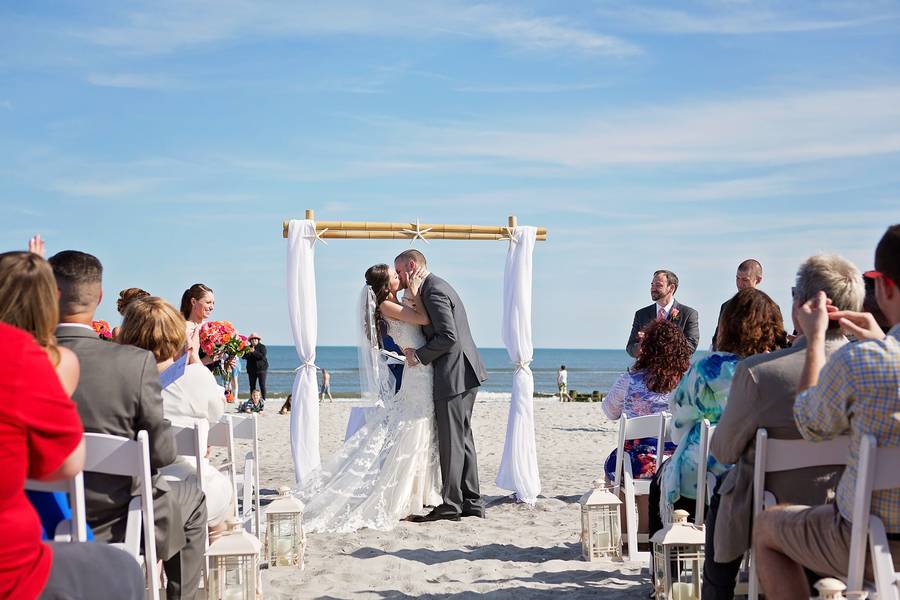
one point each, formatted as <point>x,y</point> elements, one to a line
<point>376,383</point>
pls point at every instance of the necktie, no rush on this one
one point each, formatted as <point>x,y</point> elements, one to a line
<point>660,313</point>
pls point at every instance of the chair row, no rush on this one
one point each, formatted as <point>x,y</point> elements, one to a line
<point>114,455</point>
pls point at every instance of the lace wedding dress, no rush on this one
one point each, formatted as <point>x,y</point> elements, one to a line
<point>389,469</point>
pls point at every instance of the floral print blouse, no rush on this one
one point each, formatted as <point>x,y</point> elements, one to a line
<point>629,395</point>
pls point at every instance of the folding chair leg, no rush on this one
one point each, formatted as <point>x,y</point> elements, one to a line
<point>630,513</point>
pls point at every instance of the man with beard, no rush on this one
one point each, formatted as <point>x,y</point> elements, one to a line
<point>665,307</point>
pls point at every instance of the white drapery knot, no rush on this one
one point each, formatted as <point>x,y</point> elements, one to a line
<point>523,365</point>
<point>307,365</point>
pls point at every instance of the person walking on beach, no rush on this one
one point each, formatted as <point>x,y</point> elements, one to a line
<point>562,382</point>
<point>326,386</point>
<point>257,364</point>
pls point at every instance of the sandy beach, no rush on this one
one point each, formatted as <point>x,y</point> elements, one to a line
<point>516,552</point>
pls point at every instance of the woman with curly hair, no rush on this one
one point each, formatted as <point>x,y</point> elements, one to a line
<point>750,324</point>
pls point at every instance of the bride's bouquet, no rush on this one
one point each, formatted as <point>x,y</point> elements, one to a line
<point>220,339</point>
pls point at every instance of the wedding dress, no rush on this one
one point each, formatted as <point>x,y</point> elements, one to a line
<point>387,470</point>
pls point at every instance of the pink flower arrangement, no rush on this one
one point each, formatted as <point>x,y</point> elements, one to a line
<point>220,339</point>
<point>102,329</point>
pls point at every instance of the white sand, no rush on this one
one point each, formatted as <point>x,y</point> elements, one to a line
<point>516,552</point>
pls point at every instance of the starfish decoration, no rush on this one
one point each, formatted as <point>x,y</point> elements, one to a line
<point>418,233</point>
<point>317,236</point>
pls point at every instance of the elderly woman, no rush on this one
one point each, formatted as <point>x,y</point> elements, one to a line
<point>153,324</point>
<point>750,324</point>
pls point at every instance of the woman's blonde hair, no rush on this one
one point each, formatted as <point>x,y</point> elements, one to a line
<point>153,324</point>
<point>29,298</point>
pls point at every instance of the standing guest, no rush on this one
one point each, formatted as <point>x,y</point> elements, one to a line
<point>855,391</point>
<point>326,386</point>
<point>257,364</point>
<point>154,325</point>
<point>665,308</point>
<point>119,394</point>
<point>41,436</point>
<point>562,383</point>
<point>644,389</point>
<point>762,395</point>
<point>233,383</point>
<point>125,297</point>
<point>751,324</point>
<point>255,404</point>
<point>749,275</point>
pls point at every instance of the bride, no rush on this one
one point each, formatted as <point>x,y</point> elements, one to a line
<point>388,469</point>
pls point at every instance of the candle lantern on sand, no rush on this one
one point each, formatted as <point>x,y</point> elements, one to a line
<point>285,540</point>
<point>678,559</point>
<point>830,589</point>
<point>234,564</point>
<point>601,534</point>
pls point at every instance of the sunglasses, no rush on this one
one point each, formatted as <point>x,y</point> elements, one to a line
<point>879,275</point>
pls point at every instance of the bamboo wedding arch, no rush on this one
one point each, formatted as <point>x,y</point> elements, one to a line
<point>518,468</point>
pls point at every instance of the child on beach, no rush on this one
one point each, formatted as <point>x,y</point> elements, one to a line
<point>254,405</point>
<point>562,382</point>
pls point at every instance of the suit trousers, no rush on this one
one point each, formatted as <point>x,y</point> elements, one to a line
<point>253,376</point>
<point>456,445</point>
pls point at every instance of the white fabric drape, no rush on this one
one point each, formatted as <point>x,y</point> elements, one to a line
<point>518,467</point>
<point>301,280</point>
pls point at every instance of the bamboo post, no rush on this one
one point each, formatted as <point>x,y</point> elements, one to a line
<point>404,231</point>
<point>310,214</point>
<point>513,221</point>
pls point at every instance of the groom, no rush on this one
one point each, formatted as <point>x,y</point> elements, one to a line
<point>458,373</point>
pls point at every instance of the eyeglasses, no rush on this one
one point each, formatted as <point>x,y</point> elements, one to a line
<point>879,275</point>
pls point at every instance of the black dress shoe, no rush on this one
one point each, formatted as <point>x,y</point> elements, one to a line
<point>434,516</point>
<point>473,513</point>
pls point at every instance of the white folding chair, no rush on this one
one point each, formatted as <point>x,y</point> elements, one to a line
<point>191,441</point>
<point>623,478</point>
<point>706,482</point>
<point>221,436</point>
<point>114,455</point>
<point>67,530</point>
<point>786,455</point>
<point>877,470</point>
<point>245,428</point>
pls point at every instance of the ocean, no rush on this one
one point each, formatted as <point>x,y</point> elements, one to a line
<point>589,370</point>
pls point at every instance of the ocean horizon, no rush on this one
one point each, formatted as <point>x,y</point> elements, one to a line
<point>589,370</point>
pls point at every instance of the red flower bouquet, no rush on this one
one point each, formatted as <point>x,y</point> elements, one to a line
<point>102,329</point>
<point>221,340</point>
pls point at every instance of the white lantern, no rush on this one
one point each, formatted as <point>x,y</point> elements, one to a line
<point>285,540</point>
<point>601,532</point>
<point>678,559</point>
<point>234,565</point>
<point>831,589</point>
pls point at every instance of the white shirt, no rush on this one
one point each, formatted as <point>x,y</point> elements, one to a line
<point>562,377</point>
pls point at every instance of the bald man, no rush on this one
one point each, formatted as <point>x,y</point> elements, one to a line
<point>749,275</point>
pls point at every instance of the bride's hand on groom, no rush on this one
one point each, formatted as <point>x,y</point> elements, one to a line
<point>415,280</point>
<point>411,359</point>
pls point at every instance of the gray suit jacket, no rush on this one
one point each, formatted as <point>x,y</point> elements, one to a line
<point>688,320</point>
<point>119,394</point>
<point>762,395</point>
<point>450,348</point>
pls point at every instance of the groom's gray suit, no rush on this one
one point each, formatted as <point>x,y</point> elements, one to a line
<point>458,372</point>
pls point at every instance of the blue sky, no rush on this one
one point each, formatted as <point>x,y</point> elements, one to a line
<point>171,138</point>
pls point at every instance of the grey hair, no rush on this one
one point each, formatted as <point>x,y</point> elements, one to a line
<point>836,276</point>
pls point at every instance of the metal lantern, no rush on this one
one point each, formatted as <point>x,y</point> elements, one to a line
<point>285,540</point>
<point>678,559</point>
<point>601,531</point>
<point>830,589</point>
<point>234,565</point>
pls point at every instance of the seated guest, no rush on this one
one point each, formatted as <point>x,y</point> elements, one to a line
<point>751,324</point>
<point>119,394</point>
<point>125,298</point>
<point>856,392</point>
<point>153,324</point>
<point>644,389</point>
<point>255,404</point>
<point>762,395</point>
<point>870,305</point>
<point>41,437</point>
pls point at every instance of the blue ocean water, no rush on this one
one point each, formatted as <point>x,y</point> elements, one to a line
<point>588,369</point>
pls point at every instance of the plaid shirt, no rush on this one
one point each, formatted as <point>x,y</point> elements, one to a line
<point>858,393</point>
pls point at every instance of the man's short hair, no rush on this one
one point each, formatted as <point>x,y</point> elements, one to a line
<point>78,276</point>
<point>671,277</point>
<point>887,254</point>
<point>836,276</point>
<point>751,266</point>
<point>412,254</point>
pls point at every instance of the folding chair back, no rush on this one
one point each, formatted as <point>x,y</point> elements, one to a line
<point>114,455</point>
<point>773,456</point>
<point>245,428</point>
<point>877,471</point>
<point>67,530</point>
<point>705,481</point>
<point>191,441</point>
<point>221,436</point>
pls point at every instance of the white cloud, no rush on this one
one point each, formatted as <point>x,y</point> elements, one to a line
<point>167,26</point>
<point>139,81</point>
<point>6,104</point>
<point>103,189</point>
<point>535,88</point>
<point>788,128</point>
